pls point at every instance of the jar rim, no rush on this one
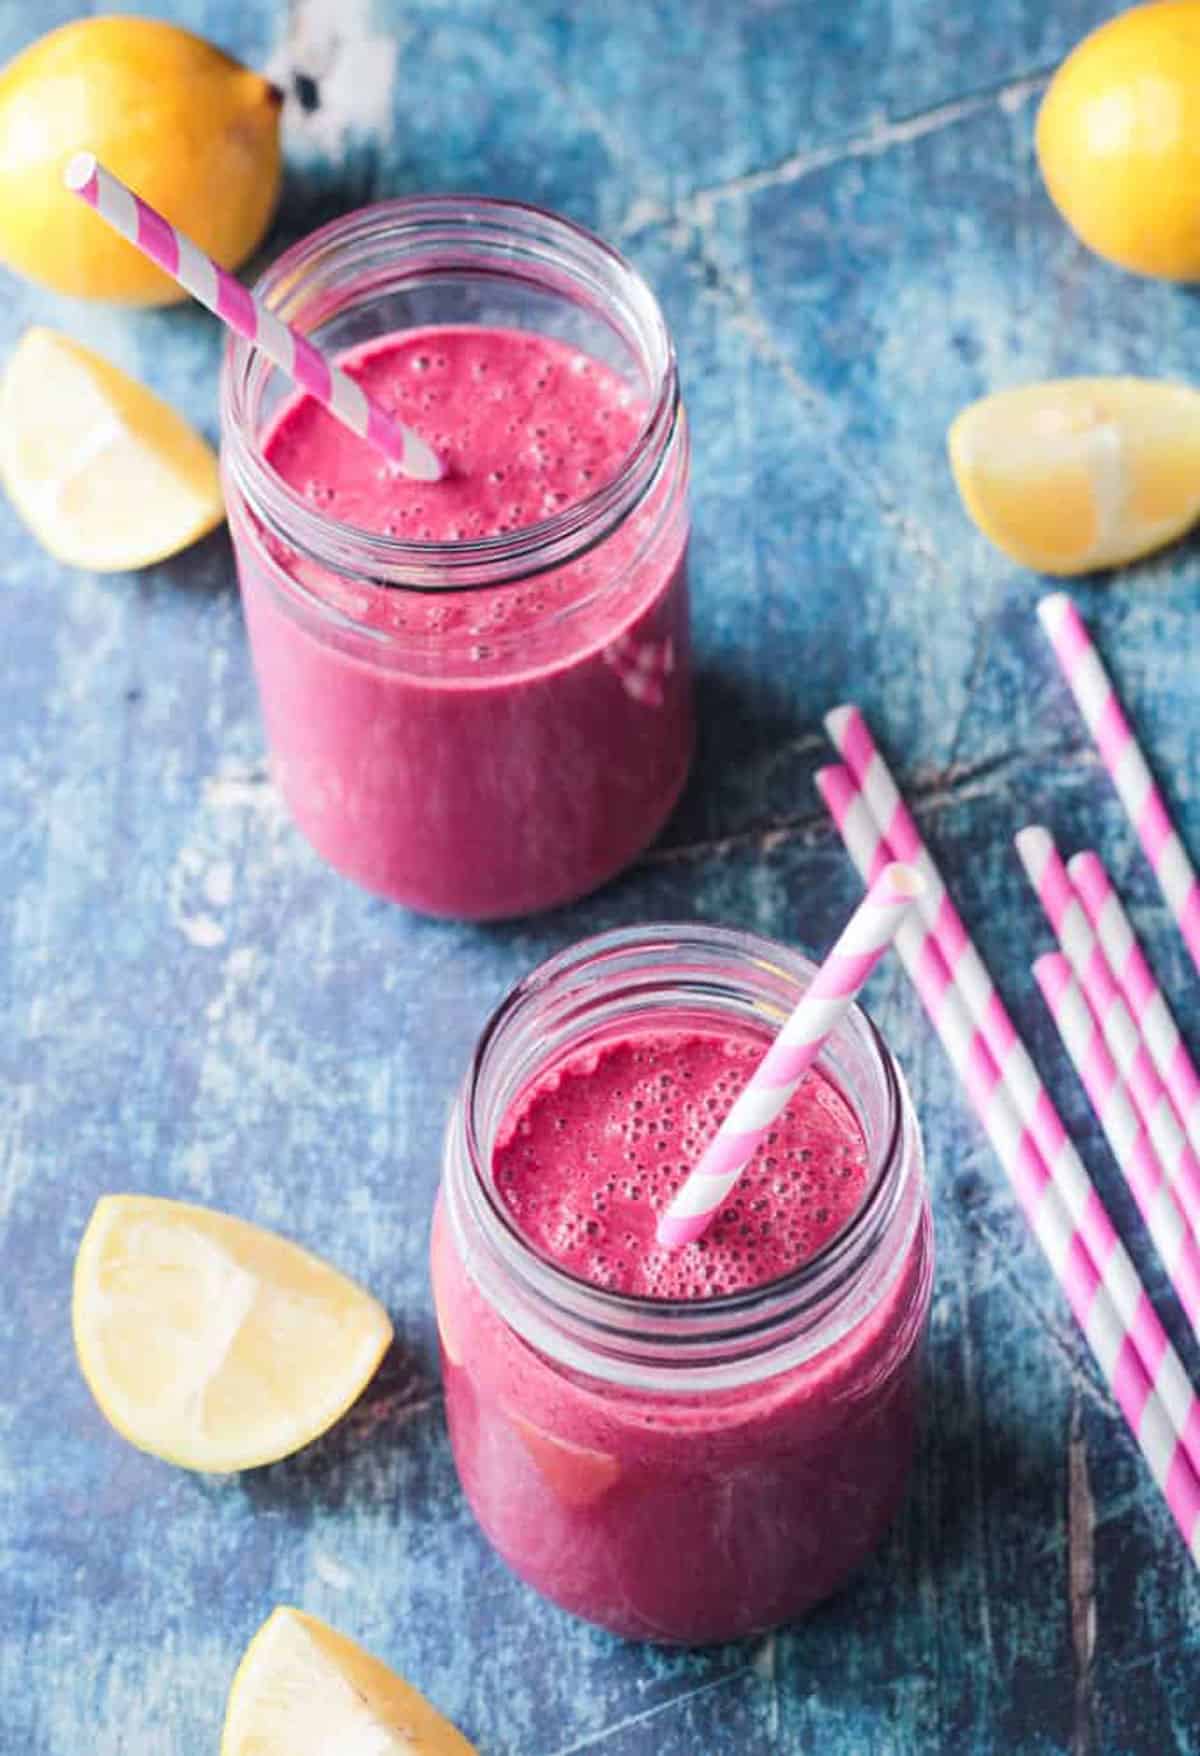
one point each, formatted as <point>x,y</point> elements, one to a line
<point>749,1318</point>
<point>564,247</point>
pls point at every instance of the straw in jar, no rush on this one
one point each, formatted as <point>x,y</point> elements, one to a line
<point>248,317</point>
<point>836,985</point>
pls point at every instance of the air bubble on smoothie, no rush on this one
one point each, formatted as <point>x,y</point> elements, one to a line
<point>601,1271</point>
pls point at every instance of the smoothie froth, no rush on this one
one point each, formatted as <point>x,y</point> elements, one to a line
<point>525,426</point>
<point>592,1155</point>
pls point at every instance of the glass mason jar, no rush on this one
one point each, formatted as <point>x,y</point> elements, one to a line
<point>477,728</point>
<point>680,1471</point>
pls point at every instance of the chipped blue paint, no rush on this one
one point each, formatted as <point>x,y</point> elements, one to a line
<point>840,209</point>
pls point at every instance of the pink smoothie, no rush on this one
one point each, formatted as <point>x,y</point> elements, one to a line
<point>593,1154</point>
<point>680,1517</point>
<point>487,752</point>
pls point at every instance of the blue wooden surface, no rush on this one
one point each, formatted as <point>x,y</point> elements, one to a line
<point>841,212</point>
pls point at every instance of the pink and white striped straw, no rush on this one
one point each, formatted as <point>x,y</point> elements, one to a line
<point>1062,1208</point>
<point>248,317</point>
<point>951,957</point>
<point>1133,1062</point>
<point>993,1076</point>
<point>947,934</point>
<point>1123,1129</point>
<point>863,941</point>
<point>1143,996</point>
<point>1123,758</point>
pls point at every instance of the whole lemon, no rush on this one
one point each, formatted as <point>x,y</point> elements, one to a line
<point>192,131</point>
<point>1118,140</point>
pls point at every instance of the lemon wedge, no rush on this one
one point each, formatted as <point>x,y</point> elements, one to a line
<point>1080,473</point>
<point>303,1689</point>
<point>105,474</point>
<point>214,1343</point>
<point>578,1475</point>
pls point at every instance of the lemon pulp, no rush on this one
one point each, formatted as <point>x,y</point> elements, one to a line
<point>304,1689</point>
<point>1080,473</point>
<point>212,1342</point>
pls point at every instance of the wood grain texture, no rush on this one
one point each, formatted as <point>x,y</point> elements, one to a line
<point>840,209</point>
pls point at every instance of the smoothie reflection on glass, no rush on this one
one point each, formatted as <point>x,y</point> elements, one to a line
<point>477,692</point>
<point>686,1445</point>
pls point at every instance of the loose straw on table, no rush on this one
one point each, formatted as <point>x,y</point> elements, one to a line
<point>247,316</point>
<point>1063,1210</point>
<point>958,961</point>
<point>988,1078</point>
<point>865,938</point>
<point>1127,766</point>
<point>1123,1129</point>
<point>901,839</point>
<point>1142,994</point>
<point>1118,1034</point>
